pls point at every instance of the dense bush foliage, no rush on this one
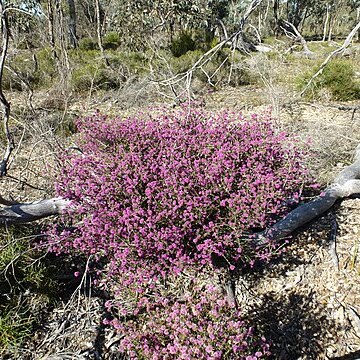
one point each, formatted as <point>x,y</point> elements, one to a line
<point>88,44</point>
<point>91,72</point>
<point>111,40</point>
<point>338,78</point>
<point>191,328</point>
<point>160,193</point>
<point>182,44</point>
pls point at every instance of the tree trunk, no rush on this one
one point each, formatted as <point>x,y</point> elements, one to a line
<point>62,41</point>
<point>72,24</point>
<point>50,10</point>
<point>6,105</point>
<point>99,31</point>
<point>326,22</point>
<point>357,19</point>
<point>276,17</point>
<point>239,41</point>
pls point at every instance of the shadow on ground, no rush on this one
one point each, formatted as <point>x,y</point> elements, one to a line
<point>295,324</point>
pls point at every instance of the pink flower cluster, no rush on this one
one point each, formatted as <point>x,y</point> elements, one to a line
<point>202,325</point>
<point>158,193</point>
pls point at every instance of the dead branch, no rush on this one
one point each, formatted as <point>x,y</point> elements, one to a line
<point>28,212</point>
<point>298,37</point>
<point>346,44</point>
<point>347,183</point>
<point>332,240</point>
<point>348,107</point>
<point>6,202</point>
<point>6,105</point>
<point>232,40</point>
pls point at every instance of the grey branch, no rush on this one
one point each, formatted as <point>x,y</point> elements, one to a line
<point>6,105</point>
<point>345,184</point>
<point>346,44</point>
<point>28,212</point>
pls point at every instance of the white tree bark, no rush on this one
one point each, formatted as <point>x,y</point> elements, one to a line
<point>28,212</point>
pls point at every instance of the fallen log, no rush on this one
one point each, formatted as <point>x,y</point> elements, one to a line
<point>347,183</point>
<point>27,212</point>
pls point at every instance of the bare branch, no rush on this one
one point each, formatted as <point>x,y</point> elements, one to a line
<point>207,57</point>
<point>28,212</point>
<point>347,183</point>
<point>346,43</point>
<point>6,105</point>
<point>299,37</point>
<point>7,202</point>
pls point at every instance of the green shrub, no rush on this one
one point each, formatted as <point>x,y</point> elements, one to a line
<point>185,62</point>
<point>22,71</point>
<point>91,72</point>
<point>241,76</point>
<point>21,268</point>
<point>111,40</point>
<point>88,44</point>
<point>93,76</point>
<point>46,66</point>
<point>130,62</point>
<point>27,68</point>
<point>338,78</point>
<point>204,39</point>
<point>182,44</point>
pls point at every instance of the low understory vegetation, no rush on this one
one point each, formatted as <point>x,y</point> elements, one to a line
<point>89,72</point>
<point>164,202</point>
<point>25,279</point>
<point>338,78</point>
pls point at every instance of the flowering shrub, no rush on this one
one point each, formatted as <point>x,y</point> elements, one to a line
<point>161,192</point>
<point>200,326</point>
